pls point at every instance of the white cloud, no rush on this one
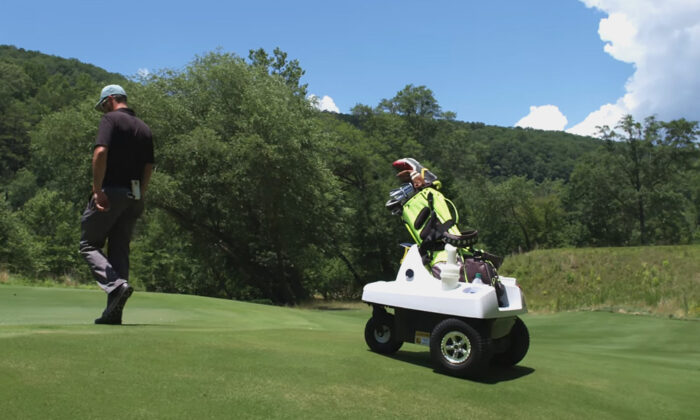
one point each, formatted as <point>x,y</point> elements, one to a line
<point>662,40</point>
<point>545,117</point>
<point>619,34</point>
<point>324,104</point>
<point>608,114</point>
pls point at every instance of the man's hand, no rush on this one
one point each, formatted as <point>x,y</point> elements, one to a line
<point>101,201</point>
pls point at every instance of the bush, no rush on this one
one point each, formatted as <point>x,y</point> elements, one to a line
<point>16,251</point>
<point>54,228</point>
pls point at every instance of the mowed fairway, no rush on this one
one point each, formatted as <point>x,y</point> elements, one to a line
<point>193,357</point>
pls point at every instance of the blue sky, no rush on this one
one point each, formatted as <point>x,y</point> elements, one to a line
<point>541,63</point>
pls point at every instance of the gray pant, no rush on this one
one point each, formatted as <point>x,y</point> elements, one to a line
<point>115,227</point>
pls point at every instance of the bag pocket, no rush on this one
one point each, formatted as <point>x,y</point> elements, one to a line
<point>485,268</point>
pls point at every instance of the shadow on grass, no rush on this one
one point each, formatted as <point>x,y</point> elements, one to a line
<point>147,325</point>
<point>415,358</point>
<point>495,374</point>
<point>498,374</point>
<point>332,308</point>
<point>136,325</point>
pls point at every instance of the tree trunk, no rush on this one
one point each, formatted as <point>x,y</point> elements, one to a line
<point>523,228</point>
<point>642,221</point>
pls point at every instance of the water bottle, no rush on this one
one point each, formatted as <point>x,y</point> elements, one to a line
<point>477,279</point>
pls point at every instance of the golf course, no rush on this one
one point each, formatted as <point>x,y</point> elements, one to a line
<point>180,356</point>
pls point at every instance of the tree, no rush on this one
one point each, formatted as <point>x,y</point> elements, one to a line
<point>290,71</point>
<point>241,169</point>
<point>14,141</point>
<point>21,188</point>
<point>259,196</point>
<point>517,214</point>
<point>62,145</point>
<point>650,158</point>
<point>369,236</point>
<point>599,202</point>
<point>16,251</point>
<point>33,85</point>
<point>419,110</point>
<point>51,222</point>
<point>411,102</point>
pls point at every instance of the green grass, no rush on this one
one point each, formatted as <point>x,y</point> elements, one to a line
<point>662,280</point>
<point>193,357</point>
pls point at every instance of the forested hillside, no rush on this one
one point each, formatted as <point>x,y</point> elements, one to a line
<point>33,85</point>
<point>259,196</point>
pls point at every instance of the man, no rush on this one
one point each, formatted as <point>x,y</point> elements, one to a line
<point>122,163</point>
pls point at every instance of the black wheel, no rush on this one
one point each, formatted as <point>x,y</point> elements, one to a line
<point>380,334</point>
<point>459,349</point>
<point>518,344</point>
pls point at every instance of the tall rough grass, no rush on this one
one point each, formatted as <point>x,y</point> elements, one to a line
<point>663,280</point>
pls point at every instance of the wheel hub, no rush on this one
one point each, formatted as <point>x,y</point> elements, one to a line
<point>455,347</point>
<point>382,334</point>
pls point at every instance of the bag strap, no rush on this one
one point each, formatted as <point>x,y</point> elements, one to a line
<point>463,240</point>
<point>455,210</point>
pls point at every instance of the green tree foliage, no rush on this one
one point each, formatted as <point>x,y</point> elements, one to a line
<point>517,214</point>
<point>367,242</point>
<point>412,102</point>
<point>16,253</point>
<point>241,169</point>
<point>594,199</point>
<point>418,108</point>
<point>166,258</point>
<point>40,224</point>
<point>14,144</point>
<point>640,176</point>
<point>22,188</point>
<point>51,222</point>
<point>62,145</point>
<point>33,85</point>
<point>535,154</point>
<point>259,196</point>
<point>278,65</point>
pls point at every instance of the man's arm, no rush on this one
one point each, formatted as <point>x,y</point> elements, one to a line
<point>99,168</point>
<point>147,171</point>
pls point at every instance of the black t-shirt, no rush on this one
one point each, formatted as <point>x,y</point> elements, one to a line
<point>129,147</point>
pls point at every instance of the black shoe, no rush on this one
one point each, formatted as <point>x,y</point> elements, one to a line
<point>116,300</point>
<point>109,320</point>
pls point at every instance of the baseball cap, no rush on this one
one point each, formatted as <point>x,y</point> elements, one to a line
<point>108,91</point>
